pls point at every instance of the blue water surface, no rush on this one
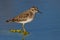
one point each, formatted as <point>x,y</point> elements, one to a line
<point>45,26</point>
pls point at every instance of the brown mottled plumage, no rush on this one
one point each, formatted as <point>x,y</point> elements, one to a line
<point>25,17</point>
<point>22,17</point>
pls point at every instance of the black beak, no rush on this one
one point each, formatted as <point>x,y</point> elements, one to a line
<point>39,12</point>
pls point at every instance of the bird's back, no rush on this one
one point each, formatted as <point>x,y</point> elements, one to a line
<point>24,16</point>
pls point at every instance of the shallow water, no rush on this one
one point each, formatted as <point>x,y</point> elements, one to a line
<point>46,26</point>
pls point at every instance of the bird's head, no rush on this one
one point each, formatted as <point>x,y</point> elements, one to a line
<point>35,9</point>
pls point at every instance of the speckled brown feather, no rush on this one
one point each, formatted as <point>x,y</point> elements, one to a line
<point>22,17</point>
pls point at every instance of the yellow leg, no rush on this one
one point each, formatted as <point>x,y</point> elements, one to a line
<point>24,30</point>
<point>23,27</point>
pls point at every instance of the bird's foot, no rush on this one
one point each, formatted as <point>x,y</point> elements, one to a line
<point>19,31</point>
<point>25,33</point>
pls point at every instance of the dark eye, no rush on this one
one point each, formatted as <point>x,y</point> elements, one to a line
<point>35,9</point>
<point>32,10</point>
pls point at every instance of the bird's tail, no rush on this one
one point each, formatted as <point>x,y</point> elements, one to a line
<point>11,20</point>
<point>8,21</point>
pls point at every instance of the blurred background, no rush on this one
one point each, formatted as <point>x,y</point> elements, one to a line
<point>45,26</point>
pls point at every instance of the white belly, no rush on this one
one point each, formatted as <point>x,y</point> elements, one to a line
<point>28,20</point>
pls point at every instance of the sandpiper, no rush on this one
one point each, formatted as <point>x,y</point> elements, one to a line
<point>25,17</point>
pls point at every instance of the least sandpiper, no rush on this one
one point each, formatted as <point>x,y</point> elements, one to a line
<point>25,17</point>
